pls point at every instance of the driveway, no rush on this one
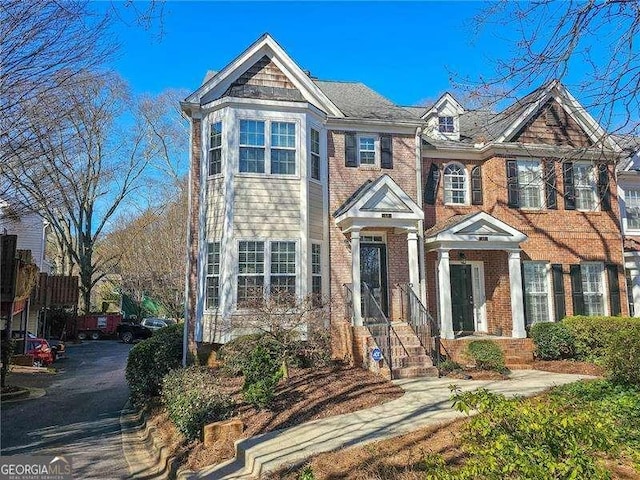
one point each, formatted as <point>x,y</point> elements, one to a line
<point>80,414</point>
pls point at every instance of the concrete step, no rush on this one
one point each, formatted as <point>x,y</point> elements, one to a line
<point>414,372</point>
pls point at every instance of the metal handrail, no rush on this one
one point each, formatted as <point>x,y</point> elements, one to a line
<point>377,323</point>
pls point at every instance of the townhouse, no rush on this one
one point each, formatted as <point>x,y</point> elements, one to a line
<point>428,221</point>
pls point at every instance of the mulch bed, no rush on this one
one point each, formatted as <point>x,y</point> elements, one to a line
<point>309,394</point>
<point>568,366</point>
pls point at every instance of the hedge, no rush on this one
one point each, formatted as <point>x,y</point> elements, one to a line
<point>486,355</point>
<point>622,360</point>
<point>553,341</point>
<point>593,335</point>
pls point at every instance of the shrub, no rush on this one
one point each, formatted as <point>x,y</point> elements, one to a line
<point>449,366</point>
<point>592,335</point>
<point>150,360</point>
<point>193,399</point>
<point>622,359</point>
<point>315,351</point>
<point>261,376</point>
<point>234,354</point>
<point>553,341</point>
<point>486,355</point>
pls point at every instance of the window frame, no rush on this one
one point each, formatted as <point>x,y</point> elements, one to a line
<point>268,148</point>
<point>257,275</point>
<point>446,125</point>
<point>592,187</point>
<point>313,155</point>
<point>627,209</point>
<point>604,285</point>
<point>213,148</point>
<point>549,290</point>
<point>212,276</point>
<point>256,147</point>
<point>289,275</point>
<point>376,150</point>
<point>316,273</point>
<point>445,188</point>
<point>531,185</point>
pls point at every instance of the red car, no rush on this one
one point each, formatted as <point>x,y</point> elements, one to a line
<point>41,351</point>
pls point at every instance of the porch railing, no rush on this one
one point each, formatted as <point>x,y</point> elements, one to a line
<point>373,318</point>
<point>420,320</point>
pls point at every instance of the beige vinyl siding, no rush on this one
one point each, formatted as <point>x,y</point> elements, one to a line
<point>215,212</point>
<point>315,212</point>
<point>266,207</point>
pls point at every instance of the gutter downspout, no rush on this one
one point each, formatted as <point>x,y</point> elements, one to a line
<point>421,255</point>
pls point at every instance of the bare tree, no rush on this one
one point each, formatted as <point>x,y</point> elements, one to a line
<point>549,40</point>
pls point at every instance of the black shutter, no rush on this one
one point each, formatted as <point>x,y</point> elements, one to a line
<point>603,187</point>
<point>513,188</point>
<point>431,189</point>
<point>576,290</point>
<point>569,189</point>
<point>550,184</point>
<point>614,289</point>
<point>350,153</point>
<point>558,291</point>
<point>476,185</point>
<point>386,151</point>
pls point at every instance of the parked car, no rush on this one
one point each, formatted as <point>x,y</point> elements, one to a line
<point>128,332</point>
<point>42,353</point>
<point>58,347</point>
<point>157,323</point>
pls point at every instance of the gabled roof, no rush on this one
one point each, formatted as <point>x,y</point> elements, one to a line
<point>215,86</point>
<point>380,202</point>
<point>445,100</point>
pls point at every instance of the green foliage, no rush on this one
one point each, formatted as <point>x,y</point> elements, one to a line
<point>234,354</point>
<point>593,335</point>
<point>553,341</point>
<point>150,360</point>
<point>193,399</point>
<point>261,376</point>
<point>449,366</point>
<point>307,473</point>
<point>486,355</point>
<point>622,359</point>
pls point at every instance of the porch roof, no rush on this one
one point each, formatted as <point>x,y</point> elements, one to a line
<point>378,203</point>
<point>473,231</point>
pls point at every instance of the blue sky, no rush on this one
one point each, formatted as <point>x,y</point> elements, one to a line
<point>404,50</point>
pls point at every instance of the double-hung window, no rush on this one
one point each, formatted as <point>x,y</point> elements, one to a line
<point>455,184</point>
<point>536,291</point>
<point>315,154</point>
<point>445,124</point>
<point>283,148</point>
<point>367,150</point>
<point>250,273</point>
<point>530,183</point>
<point>215,149</point>
<point>213,275</point>
<point>252,146</point>
<point>632,209</point>
<point>283,268</point>
<point>593,288</point>
<point>584,177</point>
<point>316,273</point>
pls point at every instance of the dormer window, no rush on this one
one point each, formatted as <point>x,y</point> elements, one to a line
<point>445,124</point>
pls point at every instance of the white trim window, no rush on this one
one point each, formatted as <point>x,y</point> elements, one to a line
<point>632,208</point>
<point>250,273</point>
<point>537,292</point>
<point>316,273</point>
<point>215,149</point>
<point>213,276</point>
<point>530,184</point>
<point>315,154</point>
<point>446,124</point>
<point>584,178</point>
<point>283,148</point>
<point>283,268</point>
<point>367,150</point>
<point>455,184</point>
<point>593,290</point>
<point>252,146</point>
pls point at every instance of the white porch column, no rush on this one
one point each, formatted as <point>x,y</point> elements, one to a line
<point>414,262</point>
<point>355,277</point>
<point>517,304</point>
<point>444,295</point>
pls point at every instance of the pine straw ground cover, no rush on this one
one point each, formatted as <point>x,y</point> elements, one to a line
<point>309,394</point>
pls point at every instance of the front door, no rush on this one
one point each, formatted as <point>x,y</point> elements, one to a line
<point>462,298</point>
<point>373,272</point>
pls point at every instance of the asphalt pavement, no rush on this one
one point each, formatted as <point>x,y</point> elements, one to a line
<point>79,417</point>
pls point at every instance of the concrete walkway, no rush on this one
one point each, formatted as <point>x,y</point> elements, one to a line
<point>426,402</point>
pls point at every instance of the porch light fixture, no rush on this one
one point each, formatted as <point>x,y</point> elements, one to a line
<point>463,258</point>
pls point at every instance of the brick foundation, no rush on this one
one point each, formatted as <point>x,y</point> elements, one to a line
<point>518,352</point>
